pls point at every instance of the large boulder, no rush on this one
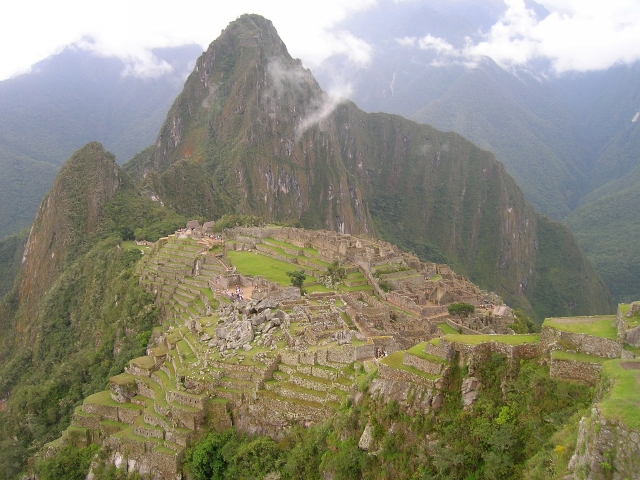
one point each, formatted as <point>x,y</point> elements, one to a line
<point>236,334</point>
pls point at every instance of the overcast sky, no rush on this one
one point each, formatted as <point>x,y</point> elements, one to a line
<point>577,35</point>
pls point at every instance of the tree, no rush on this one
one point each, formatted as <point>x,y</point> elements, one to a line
<point>461,309</point>
<point>207,461</point>
<point>297,279</point>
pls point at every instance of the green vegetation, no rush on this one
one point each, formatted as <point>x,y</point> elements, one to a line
<point>93,318</point>
<point>603,326</point>
<point>621,402</point>
<point>565,277</point>
<point>523,323</point>
<point>577,357</point>
<point>11,250</point>
<point>461,309</point>
<point>499,438</point>
<point>506,339</point>
<point>608,229</point>
<point>70,463</point>
<point>446,329</point>
<point>297,278</point>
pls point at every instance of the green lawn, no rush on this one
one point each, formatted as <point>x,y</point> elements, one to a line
<point>131,245</point>
<point>622,401</point>
<point>252,264</point>
<point>396,360</point>
<point>506,339</point>
<point>601,326</point>
<point>577,357</point>
<point>447,329</point>
<point>418,351</point>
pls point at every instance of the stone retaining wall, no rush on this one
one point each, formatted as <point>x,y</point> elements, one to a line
<point>574,370</point>
<point>276,409</point>
<point>581,343</point>
<point>442,350</point>
<point>388,373</point>
<point>422,364</point>
<point>478,353</point>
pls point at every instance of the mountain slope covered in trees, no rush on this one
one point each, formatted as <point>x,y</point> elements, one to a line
<point>76,313</point>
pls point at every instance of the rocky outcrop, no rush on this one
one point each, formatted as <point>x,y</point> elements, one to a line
<point>605,449</point>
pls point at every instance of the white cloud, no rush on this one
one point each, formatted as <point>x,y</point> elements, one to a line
<point>31,30</point>
<point>578,35</point>
<point>407,41</point>
<point>323,108</point>
<point>438,45</point>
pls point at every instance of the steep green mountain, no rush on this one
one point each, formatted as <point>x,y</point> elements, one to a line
<point>605,105</point>
<point>66,101</point>
<point>76,313</point>
<point>11,250</point>
<point>523,119</point>
<point>253,132</point>
<point>607,229</point>
<point>561,137</point>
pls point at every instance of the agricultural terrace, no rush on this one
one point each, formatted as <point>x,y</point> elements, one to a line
<point>252,263</point>
<point>600,326</point>
<point>577,357</point>
<point>506,339</point>
<point>622,401</point>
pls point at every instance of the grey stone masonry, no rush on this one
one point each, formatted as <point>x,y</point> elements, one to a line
<point>581,343</point>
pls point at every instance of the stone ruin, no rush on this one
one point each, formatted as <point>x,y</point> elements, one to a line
<point>274,358</point>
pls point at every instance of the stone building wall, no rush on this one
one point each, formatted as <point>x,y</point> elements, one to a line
<point>460,328</point>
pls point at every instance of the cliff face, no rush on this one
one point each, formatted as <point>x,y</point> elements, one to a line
<point>70,211</point>
<point>254,133</point>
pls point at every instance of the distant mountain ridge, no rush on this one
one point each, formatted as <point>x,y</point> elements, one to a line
<point>564,138</point>
<point>63,103</point>
<point>252,132</point>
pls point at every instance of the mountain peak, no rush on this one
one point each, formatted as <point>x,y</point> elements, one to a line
<point>253,133</point>
<point>69,212</point>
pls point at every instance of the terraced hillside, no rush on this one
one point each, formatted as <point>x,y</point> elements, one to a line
<point>238,345</point>
<point>241,347</point>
